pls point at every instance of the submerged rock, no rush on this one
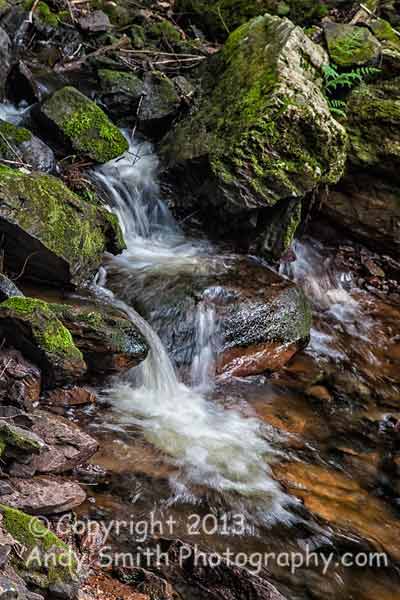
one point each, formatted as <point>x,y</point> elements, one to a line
<point>5,60</point>
<point>350,45</point>
<point>51,234</point>
<point>19,144</point>
<point>31,326</point>
<point>108,342</point>
<point>263,133</point>
<point>84,125</point>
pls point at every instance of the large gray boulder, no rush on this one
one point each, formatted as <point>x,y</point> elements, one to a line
<point>263,132</point>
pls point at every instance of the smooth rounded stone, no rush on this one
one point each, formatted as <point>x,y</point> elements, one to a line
<point>18,144</point>
<point>66,397</point>
<point>108,341</point>
<point>351,45</point>
<point>261,133</point>
<point>52,235</point>
<point>95,22</point>
<point>8,289</point>
<point>31,325</point>
<point>5,60</point>
<point>67,445</point>
<point>81,122</point>
<point>20,383</point>
<point>44,496</point>
<point>256,319</point>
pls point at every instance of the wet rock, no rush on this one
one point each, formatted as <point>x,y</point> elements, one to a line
<point>120,92</point>
<point>68,446</point>
<point>205,582</point>
<point>20,382</point>
<point>159,105</point>
<point>51,234</point>
<point>66,397</point>
<point>84,125</point>
<point>8,289</point>
<point>60,567</point>
<point>31,325</point>
<point>368,207</point>
<point>95,22</point>
<point>5,60</point>
<point>19,144</point>
<point>218,151</point>
<point>340,501</point>
<point>350,45</point>
<point>44,496</point>
<point>262,318</point>
<point>108,342</point>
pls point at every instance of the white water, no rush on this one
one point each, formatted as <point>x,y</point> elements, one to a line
<point>215,447</point>
<point>11,113</point>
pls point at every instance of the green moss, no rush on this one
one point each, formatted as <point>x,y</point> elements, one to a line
<point>164,31</point>
<point>18,437</point>
<point>46,15</point>
<point>50,333</point>
<point>85,124</point>
<point>32,534</point>
<point>351,45</point>
<point>11,135</point>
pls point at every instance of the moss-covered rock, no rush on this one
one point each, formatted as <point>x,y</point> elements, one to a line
<point>160,103</point>
<point>350,45</point>
<point>18,144</point>
<point>220,17</point>
<point>32,327</point>
<point>108,341</point>
<point>390,41</point>
<point>263,131</point>
<point>22,439</point>
<point>84,124</point>
<point>37,542</point>
<point>120,92</point>
<point>373,126</point>
<point>51,234</point>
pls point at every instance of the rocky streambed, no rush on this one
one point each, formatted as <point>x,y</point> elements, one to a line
<point>199,286</point>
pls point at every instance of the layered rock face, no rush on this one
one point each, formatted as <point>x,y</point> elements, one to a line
<point>264,133</point>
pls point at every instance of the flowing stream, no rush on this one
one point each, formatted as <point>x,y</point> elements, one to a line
<point>214,447</point>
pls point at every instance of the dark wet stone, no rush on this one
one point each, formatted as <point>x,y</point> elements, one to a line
<point>21,381</point>
<point>5,60</point>
<point>8,289</point>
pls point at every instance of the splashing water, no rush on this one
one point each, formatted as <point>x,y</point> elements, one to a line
<point>214,447</point>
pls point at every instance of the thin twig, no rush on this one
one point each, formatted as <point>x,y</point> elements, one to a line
<point>159,53</point>
<point>137,115</point>
<point>11,147</point>
<point>5,368</point>
<point>78,63</point>
<point>18,163</point>
<point>24,265</point>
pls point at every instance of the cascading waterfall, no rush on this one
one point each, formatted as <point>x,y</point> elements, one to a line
<point>214,447</point>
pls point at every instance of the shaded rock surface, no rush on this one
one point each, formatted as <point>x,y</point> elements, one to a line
<point>44,496</point>
<point>108,342</point>
<point>84,124</point>
<point>20,383</point>
<point>51,234</point>
<point>19,144</point>
<point>264,132</point>
<point>350,46</point>
<point>67,445</point>
<point>8,289</point>
<point>31,326</point>
<point>5,60</point>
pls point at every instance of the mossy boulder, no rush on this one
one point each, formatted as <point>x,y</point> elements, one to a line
<point>120,92</point>
<point>159,105</point>
<point>262,132</point>
<point>37,542</point>
<point>390,41</point>
<point>84,125</point>
<point>351,46</point>
<point>32,327</point>
<point>219,18</point>
<point>50,233</point>
<point>373,126</point>
<point>108,341</point>
<point>19,144</point>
